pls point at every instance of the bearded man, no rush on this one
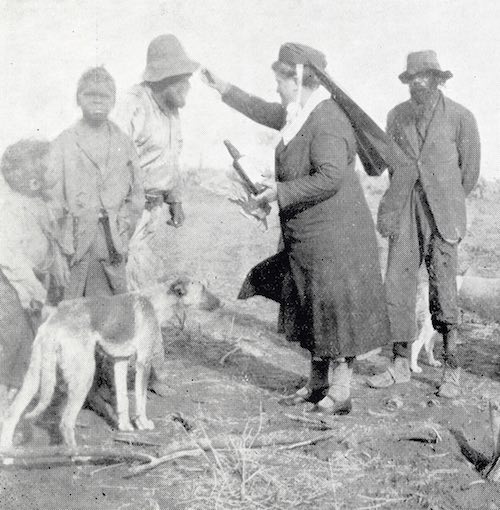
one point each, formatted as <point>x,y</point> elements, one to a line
<point>149,114</point>
<point>424,214</point>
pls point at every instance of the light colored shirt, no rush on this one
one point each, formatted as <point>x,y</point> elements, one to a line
<point>28,248</point>
<point>156,133</point>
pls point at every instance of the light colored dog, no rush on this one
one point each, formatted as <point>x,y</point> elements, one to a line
<point>427,335</point>
<point>121,326</point>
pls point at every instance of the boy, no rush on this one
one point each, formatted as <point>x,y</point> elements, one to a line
<point>31,261</point>
<point>97,195</point>
<point>94,174</point>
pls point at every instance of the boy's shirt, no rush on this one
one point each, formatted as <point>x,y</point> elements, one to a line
<point>81,187</point>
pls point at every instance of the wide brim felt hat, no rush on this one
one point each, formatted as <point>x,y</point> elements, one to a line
<point>423,61</point>
<point>296,53</point>
<point>167,58</point>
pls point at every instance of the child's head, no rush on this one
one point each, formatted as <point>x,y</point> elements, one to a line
<point>23,166</point>
<point>95,94</point>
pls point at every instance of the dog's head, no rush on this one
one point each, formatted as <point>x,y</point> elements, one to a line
<point>191,292</point>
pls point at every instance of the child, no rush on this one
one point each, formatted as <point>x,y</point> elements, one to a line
<point>98,198</point>
<point>31,260</point>
<point>94,174</point>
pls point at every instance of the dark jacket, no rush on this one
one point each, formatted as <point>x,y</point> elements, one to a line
<point>327,278</point>
<point>447,166</point>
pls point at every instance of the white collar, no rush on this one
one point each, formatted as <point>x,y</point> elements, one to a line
<point>297,115</point>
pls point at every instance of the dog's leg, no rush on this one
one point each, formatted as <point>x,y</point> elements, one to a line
<point>142,371</point>
<point>429,348</point>
<point>23,397</point>
<point>122,407</point>
<point>416,347</point>
<point>79,382</point>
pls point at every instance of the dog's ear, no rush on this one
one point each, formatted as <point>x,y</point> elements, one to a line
<point>178,288</point>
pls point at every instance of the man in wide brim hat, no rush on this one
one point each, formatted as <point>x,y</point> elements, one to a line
<point>424,214</point>
<point>166,58</point>
<point>149,114</point>
<point>423,62</point>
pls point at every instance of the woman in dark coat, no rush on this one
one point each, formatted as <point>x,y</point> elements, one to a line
<point>327,276</point>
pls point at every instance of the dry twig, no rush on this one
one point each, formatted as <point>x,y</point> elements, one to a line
<point>216,445</point>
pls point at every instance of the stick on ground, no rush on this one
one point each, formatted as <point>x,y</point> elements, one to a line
<point>492,470</point>
<point>49,457</point>
<point>220,445</point>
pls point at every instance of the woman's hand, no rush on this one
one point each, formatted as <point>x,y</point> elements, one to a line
<point>268,195</point>
<point>214,81</point>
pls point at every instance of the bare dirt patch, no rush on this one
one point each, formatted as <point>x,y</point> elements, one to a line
<point>401,448</point>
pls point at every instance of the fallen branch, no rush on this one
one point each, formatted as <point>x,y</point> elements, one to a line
<point>232,351</point>
<point>49,457</point>
<point>492,470</point>
<point>207,445</point>
<point>313,440</point>
<point>135,441</point>
<point>320,423</point>
<point>138,470</point>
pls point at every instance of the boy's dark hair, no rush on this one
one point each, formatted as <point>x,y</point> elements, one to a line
<point>309,78</point>
<point>17,172</point>
<point>95,75</point>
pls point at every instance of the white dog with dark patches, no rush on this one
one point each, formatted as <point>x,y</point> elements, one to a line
<point>121,326</point>
<point>427,335</point>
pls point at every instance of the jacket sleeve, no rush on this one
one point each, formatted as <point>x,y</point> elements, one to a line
<point>130,117</point>
<point>390,130</point>
<point>54,177</point>
<point>469,151</point>
<point>57,204</point>
<point>272,115</point>
<point>329,163</point>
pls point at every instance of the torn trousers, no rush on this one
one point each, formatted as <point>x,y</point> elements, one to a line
<point>420,242</point>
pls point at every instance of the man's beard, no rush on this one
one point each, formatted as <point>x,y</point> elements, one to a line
<point>423,96</point>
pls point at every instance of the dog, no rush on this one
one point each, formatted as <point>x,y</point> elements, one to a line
<point>427,336</point>
<point>121,326</point>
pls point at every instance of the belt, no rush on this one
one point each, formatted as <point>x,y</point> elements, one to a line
<point>154,198</point>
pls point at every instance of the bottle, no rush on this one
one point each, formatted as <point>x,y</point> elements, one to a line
<point>238,165</point>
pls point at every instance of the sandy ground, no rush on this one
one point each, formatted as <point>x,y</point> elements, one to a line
<point>401,448</point>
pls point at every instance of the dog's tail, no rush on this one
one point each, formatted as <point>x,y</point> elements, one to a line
<point>47,377</point>
<point>24,396</point>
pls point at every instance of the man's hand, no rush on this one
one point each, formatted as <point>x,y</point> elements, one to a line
<point>176,214</point>
<point>35,306</point>
<point>214,81</point>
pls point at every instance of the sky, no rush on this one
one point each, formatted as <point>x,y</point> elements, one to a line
<point>47,44</point>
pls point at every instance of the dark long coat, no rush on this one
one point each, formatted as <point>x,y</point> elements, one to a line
<point>447,166</point>
<point>327,278</point>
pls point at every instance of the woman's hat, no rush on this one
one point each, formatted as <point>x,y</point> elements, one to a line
<point>423,61</point>
<point>295,53</point>
<point>167,58</point>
